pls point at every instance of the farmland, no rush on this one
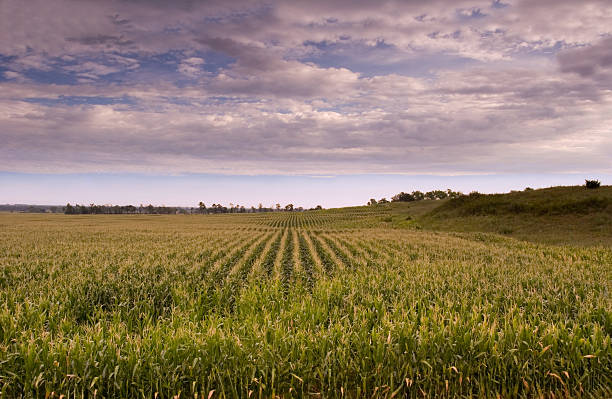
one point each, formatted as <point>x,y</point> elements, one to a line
<point>363,301</point>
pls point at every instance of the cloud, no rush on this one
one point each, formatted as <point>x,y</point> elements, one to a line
<point>91,69</point>
<point>32,61</point>
<point>101,40</point>
<point>305,87</point>
<point>191,67</point>
<point>389,124</point>
<point>12,75</point>
<point>589,60</point>
<point>434,26</point>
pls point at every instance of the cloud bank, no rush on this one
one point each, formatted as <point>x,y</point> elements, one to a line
<point>250,87</point>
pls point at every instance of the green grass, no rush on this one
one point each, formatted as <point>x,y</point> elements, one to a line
<point>557,215</point>
<point>551,201</point>
<point>354,302</point>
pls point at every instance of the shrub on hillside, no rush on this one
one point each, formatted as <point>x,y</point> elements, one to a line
<point>403,197</point>
<point>592,183</point>
<point>420,196</point>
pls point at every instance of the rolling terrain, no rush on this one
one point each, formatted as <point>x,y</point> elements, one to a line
<point>556,215</point>
<point>424,299</point>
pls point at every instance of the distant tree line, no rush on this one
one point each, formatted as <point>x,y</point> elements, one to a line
<point>236,208</point>
<point>93,209</point>
<point>418,196</point>
<point>27,208</point>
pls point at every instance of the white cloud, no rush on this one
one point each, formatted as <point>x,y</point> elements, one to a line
<point>290,100</point>
<point>12,75</point>
<point>91,69</point>
<point>192,67</point>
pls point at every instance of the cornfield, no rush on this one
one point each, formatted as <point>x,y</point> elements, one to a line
<point>322,304</point>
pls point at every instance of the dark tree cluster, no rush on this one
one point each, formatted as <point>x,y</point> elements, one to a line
<point>235,208</point>
<point>26,208</point>
<point>93,209</point>
<point>418,196</point>
<point>592,183</point>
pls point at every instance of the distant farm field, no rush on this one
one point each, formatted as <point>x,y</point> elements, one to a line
<point>357,302</point>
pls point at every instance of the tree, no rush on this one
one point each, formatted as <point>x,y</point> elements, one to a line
<point>418,195</point>
<point>436,195</point>
<point>289,207</point>
<point>69,210</point>
<point>592,183</point>
<point>453,194</point>
<point>383,200</point>
<point>372,202</point>
<point>318,207</point>
<point>278,207</point>
<point>202,207</point>
<point>402,197</point>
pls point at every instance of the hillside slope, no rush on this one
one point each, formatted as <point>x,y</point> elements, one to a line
<point>558,215</point>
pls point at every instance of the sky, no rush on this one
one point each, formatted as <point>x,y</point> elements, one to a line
<point>314,102</point>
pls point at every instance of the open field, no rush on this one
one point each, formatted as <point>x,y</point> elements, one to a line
<point>353,302</point>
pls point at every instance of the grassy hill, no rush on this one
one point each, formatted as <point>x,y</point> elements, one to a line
<point>557,215</point>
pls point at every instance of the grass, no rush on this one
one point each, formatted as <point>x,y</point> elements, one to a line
<point>355,302</point>
<point>557,215</point>
<point>551,201</point>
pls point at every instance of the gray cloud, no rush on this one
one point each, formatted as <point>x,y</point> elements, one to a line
<point>589,60</point>
<point>535,96</point>
<point>438,25</point>
<point>440,129</point>
<point>103,40</point>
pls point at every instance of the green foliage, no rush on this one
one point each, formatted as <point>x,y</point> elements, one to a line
<point>420,196</point>
<point>224,306</point>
